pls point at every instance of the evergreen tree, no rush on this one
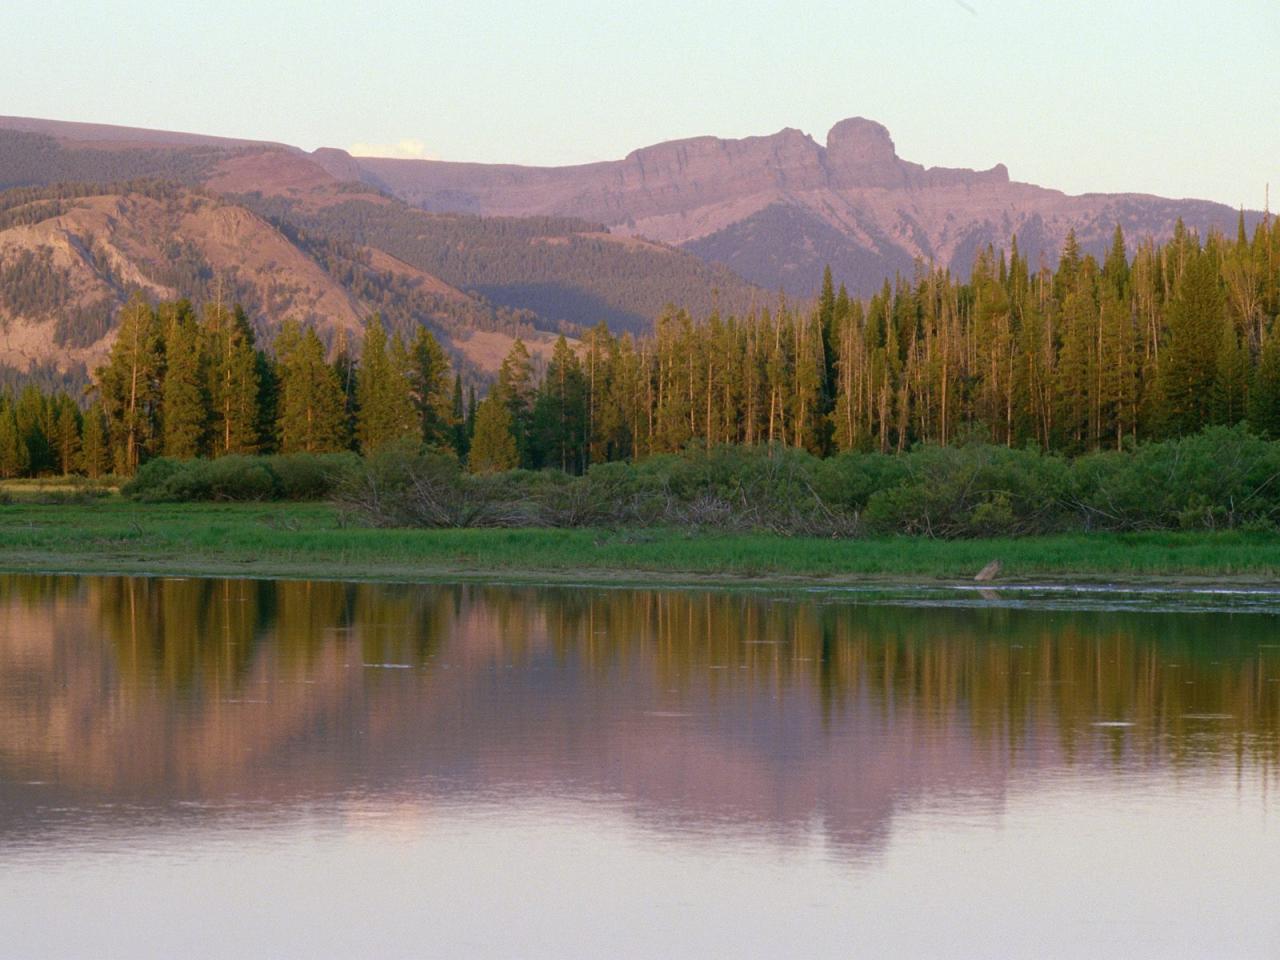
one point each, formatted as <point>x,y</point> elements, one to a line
<point>15,459</point>
<point>386,413</point>
<point>1188,361</point>
<point>234,381</point>
<point>515,388</point>
<point>33,414</point>
<point>459,416</point>
<point>311,416</point>
<point>1116,267</point>
<point>1264,399</point>
<point>493,447</point>
<point>1070,359</point>
<point>345,367</point>
<point>559,421</point>
<point>828,320</point>
<point>67,433</point>
<point>1231,380</point>
<point>95,448</point>
<point>185,395</point>
<point>129,386</point>
<point>268,371</point>
<point>429,379</point>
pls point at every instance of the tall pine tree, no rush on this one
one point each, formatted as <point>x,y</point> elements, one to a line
<point>311,417</point>
<point>130,386</point>
<point>386,410</point>
<point>493,447</point>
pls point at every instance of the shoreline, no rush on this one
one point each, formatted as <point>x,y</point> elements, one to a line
<point>622,578</point>
<point>312,541</point>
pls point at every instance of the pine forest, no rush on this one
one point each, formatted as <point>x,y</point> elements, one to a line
<point>1153,342</point>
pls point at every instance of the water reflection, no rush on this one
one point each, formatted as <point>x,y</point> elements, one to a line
<point>698,711</point>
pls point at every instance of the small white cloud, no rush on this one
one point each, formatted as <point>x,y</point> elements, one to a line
<point>410,149</point>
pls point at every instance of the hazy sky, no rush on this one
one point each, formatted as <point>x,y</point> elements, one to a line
<point>1174,98</point>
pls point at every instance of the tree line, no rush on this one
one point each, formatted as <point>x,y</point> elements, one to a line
<point>1088,355</point>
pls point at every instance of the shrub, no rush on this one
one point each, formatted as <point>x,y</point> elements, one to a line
<point>977,490</point>
<point>151,478</point>
<point>311,476</point>
<point>1220,477</point>
<point>282,477</point>
<point>226,478</point>
<point>724,488</point>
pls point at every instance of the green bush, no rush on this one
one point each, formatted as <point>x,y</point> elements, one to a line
<point>312,476</point>
<point>977,490</point>
<point>281,477</point>
<point>150,480</point>
<point>1220,477</point>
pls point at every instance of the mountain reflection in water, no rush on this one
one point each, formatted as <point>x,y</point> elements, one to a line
<point>780,720</point>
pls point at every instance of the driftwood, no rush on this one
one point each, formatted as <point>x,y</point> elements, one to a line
<point>989,572</point>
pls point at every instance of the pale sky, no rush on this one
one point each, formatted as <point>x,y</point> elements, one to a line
<point>1173,98</point>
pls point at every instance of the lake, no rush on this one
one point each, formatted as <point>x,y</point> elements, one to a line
<point>245,768</point>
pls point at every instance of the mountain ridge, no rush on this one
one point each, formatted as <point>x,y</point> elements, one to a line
<point>702,193</point>
<point>704,222</point>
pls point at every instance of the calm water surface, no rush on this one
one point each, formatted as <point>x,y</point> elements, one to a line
<point>229,768</point>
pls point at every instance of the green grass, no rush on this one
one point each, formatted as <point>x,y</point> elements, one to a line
<point>309,540</point>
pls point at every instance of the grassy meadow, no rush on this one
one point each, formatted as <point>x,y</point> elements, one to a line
<point>42,529</point>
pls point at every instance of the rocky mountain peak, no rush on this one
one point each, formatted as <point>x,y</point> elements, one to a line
<point>860,140</point>
<point>860,153</point>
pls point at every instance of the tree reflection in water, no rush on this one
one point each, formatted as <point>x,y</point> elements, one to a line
<point>735,709</point>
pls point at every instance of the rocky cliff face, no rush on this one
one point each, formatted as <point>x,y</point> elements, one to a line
<point>777,208</point>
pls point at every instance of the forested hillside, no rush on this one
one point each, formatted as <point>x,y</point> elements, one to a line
<point>36,159</point>
<point>72,254</point>
<point>565,271</point>
<point>553,273</point>
<point>1156,343</point>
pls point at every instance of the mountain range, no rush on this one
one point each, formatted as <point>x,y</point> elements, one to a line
<point>482,253</point>
<point>778,208</point>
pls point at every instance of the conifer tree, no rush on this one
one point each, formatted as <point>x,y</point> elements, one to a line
<point>1071,359</point>
<point>344,365</point>
<point>67,433</point>
<point>33,414</point>
<point>828,320</point>
<point>15,458</point>
<point>268,371</point>
<point>559,421</point>
<point>1264,399</point>
<point>493,447</point>
<point>1231,380</point>
<point>458,414</point>
<point>598,371</point>
<point>234,382</point>
<point>386,411</point>
<point>185,392</point>
<point>129,386</point>
<point>311,416</point>
<point>95,448</point>
<point>429,379</point>
<point>1116,267</point>
<point>1188,361</point>
<point>515,388</point>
